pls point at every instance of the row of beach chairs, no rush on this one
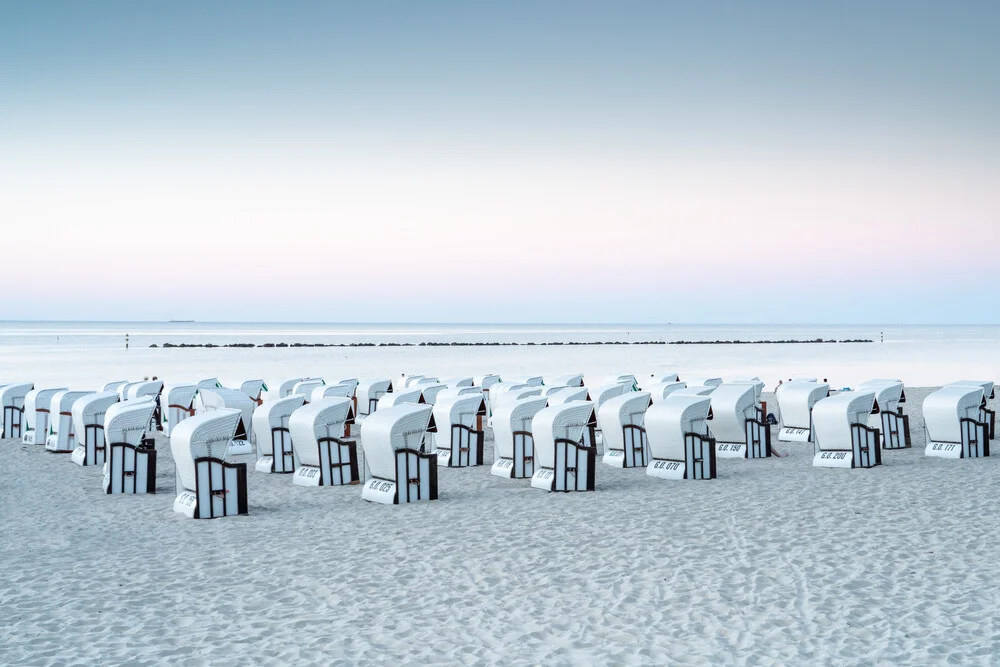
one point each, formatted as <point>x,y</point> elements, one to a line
<point>546,433</point>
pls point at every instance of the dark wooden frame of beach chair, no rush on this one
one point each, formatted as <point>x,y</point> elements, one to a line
<point>404,479</point>
<point>327,465</point>
<point>758,435</point>
<point>989,417</point>
<point>866,443</point>
<point>581,452</point>
<point>214,492</point>
<point>695,465</point>
<point>468,438</point>
<point>975,438</point>
<point>287,455</point>
<point>522,439</point>
<point>127,478</point>
<point>8,421</point>
<point>629,434</point>
<point>90,457</point>
<point>895,430</point>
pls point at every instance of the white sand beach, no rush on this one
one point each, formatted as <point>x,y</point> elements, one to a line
<point>774,562</point>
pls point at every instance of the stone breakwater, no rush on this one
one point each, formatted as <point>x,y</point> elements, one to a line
<point>814,341</point>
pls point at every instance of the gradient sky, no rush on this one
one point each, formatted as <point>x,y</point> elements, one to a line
<point>517,161</point>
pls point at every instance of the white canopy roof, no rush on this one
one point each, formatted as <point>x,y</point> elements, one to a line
<point>463,381</point>
<point>253,388</point>
<point>286,387</point>
<point>179,395</point>
<point>487,381</point>
<point>127,421</point>
<point>985,384</point>
<point>430,391</point>
<point>13,395</point>
<point>145,388</point>
<point>331,391</point>
<point>209,383</point>
<point>459,410</point>
<point>115,386</point>
<point>603,393</point>
<point>221,398</point>
<point>567,394</point>
<point>661,390</point>
<point>887,393</point>
<point>704,382</point>
<point>305,387</point>
<point>572,380</point>
<point>409,395</point>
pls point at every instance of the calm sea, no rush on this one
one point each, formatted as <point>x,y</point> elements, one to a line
<point>86,354</point>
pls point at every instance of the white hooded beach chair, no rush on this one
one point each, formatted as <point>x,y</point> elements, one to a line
<point>12,398</point>
<point>513,443</point>
<point>572,380</point>
<point>629,380</point>
<point>516,393</point>
<point>953,420</point>
<point>146,388</point>
<point>986,415</point>
<point>894,425</point>
<point>392,440</point>
<point>796,399</point>
<point>221,398</point>
<point>623,419</point>
<point>36,415</point>
<point>131,458</point>
<point>61,436</point>
<point>566,394</point>
<point>151,388</point>
<point>604,392</point>
<point>660,390</point>
<point>331,391</point>
<point>704,382</point>
<point>115,386</point>
<point>286,387</point>
<point>305,387</point>
<point>324,456</point>
<point>177,404</point>
<point>565,456</point>
<point>273,435</point>
<point>679,444</point>
<point>401,397</point>
<point>208,485</point>
<point>739,424</point>
<point>459,443</point>
<point>253,389</point>
<point>694,390</point>
<point>368,394</point>
<point>88,427</point>
<point>486,381</point>
<point>417,380</point>
<point>843,437</point>
<point>430,391</point>
<point>660,378</point>
<point>460,381</point>
<point>209,383</point>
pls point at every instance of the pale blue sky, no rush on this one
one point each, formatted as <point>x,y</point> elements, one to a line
<point>542,161</point>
